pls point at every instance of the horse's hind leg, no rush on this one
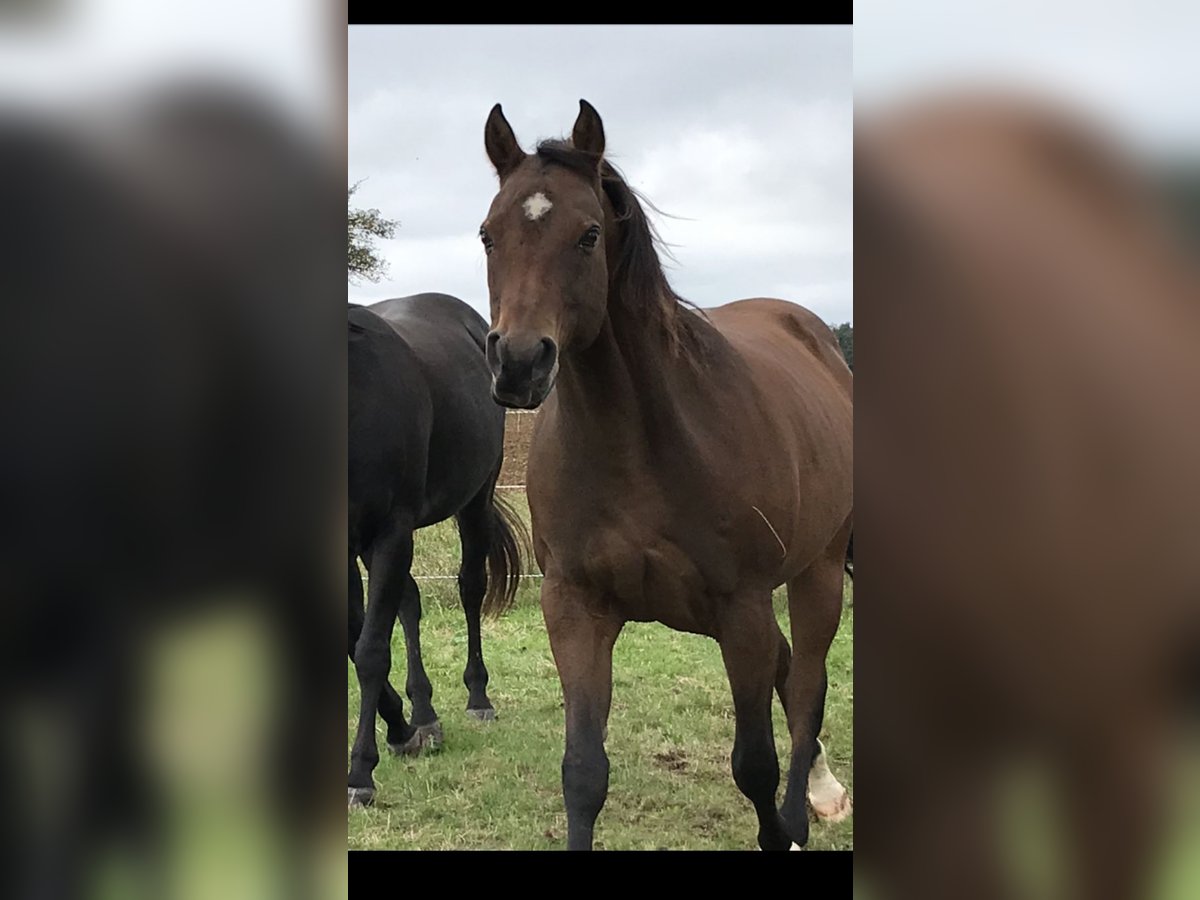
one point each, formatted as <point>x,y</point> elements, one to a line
<point>391,707</point>
<point>418,687</point>
<point>475,532</point>
<point>815,606</point>
<point>390,562</point>
<point>749,639</point>
<point>825,792</point>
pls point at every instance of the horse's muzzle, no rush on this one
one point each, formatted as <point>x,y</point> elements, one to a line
<point>523,368</point>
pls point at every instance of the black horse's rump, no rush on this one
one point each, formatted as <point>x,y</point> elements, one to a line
<point>426,442</point>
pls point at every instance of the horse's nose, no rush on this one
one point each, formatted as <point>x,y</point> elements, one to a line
<point>519,355</point>
<point>521,365</point>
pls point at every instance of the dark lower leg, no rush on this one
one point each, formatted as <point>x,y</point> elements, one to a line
<point>1114,793</point>
<point>749,645</point>
<point>804,751</point>
<point>783,666</point>
<point>417,686</point>
<point>471,586</point>
<point>391,706</point>
<point>582,646</point>
<point>474,525</point>
<point>815,604</point>
<point>948,846</point>
<point>372,656</point>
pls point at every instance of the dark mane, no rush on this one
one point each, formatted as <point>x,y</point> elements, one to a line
<point>642,287</point>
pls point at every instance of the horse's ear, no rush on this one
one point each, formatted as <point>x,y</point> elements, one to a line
<point>502,147</point>
<point>588,133</point>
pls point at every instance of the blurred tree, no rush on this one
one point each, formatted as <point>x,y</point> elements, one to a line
<point>845,338</point>
<point>1179,186</point>
<point>364,226</point>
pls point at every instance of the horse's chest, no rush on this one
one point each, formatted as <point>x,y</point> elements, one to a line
<point>642,571</point>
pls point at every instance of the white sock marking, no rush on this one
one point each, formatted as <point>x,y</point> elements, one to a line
<point>825,792</point>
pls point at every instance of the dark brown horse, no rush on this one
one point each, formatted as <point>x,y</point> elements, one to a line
<point>1031,495</point>
<point>686,465</point>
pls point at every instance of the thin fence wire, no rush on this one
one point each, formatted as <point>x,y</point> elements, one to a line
<point>449,577</point>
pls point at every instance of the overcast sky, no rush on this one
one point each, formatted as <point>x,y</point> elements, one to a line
<point>1133,63</point>
<point>743,132</point>
<point>283,48</point>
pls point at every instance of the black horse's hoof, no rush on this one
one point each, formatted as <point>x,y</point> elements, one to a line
<point>426,737</point>
<point>364,796</point>
<point>482,715</point>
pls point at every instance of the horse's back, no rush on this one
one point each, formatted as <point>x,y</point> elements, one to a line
<point>793,361</point>
<point>434,320</point>
<point>467,437</point>
<point>767,328</point>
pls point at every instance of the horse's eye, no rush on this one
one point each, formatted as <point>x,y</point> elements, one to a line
<point>590,237</point>
<point>488,243</point>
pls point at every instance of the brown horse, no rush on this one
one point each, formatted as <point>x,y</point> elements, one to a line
<point>1031,491</point>
<point>686,465</point>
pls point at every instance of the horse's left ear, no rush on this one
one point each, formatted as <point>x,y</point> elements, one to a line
<point>588,133</point>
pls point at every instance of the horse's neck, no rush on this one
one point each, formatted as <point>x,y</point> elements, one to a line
<point>615,397</point>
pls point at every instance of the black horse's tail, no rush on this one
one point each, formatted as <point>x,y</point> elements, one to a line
<point>504,556</point>
<point>849,564</point>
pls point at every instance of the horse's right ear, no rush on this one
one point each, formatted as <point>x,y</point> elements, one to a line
<point>502,147</point>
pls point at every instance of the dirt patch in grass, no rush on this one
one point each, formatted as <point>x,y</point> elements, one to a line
<point>675,760</point>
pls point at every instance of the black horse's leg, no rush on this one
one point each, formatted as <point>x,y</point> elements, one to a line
<point>391,706</point>
<point>749,639</point>
<point>582,644</point>
<point>474,530</point>
<point>418,687</point>
<point>303,740</point>
<point>113,812</point>
<point>815,605</point>
<point>390,563</point>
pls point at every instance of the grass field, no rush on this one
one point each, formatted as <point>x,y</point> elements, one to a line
<point>498,785</point>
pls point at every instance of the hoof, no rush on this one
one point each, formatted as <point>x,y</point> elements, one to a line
<point>828,799</point>
<point>426,737</point>
<point>359,797</point>
<point>835,808</point>
<point>482,715</point>
<point>795,846</point>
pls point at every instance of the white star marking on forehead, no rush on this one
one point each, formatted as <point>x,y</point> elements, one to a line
<point>536,206</point>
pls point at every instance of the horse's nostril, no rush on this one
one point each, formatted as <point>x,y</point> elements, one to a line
<point>493,348</point>
<point>547,354</point>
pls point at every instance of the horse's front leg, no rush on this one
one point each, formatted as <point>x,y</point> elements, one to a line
<point>582,642</point>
